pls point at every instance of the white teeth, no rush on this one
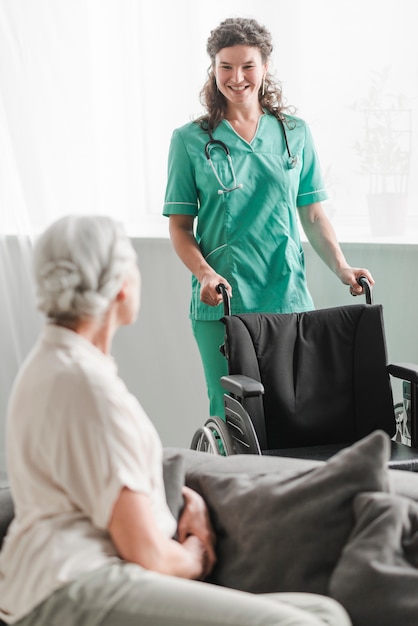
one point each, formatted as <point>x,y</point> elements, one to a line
<point>238,88</point>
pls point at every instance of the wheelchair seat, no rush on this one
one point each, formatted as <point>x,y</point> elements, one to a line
<point>308,384</point>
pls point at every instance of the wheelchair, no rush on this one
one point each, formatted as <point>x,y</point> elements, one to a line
<point>309,384</point>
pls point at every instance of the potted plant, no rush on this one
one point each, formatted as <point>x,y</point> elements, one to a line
<point>384,150</point>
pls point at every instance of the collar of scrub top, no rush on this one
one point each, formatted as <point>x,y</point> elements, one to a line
<point>217,143</point>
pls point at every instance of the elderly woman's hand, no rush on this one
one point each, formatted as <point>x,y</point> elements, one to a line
<point>195,521</point>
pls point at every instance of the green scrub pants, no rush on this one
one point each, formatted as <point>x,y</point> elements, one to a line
<point>209,336</point>
<point>124,594</point>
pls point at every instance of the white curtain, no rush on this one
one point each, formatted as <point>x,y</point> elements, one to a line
<point>90,91</point>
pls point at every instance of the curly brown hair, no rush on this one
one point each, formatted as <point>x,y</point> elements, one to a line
<point>244,32</point>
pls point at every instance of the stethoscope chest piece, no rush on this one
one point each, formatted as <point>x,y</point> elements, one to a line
<point>292,161</point>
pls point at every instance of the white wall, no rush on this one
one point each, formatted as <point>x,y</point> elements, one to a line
<point>158,358</point>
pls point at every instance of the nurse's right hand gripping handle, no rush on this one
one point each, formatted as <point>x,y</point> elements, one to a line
<point>225,297</point>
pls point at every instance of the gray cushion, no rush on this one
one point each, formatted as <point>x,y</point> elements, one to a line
<point>6,512</point>
<point>174,479</point>
<point>376,578</point>
<point>286,532</point>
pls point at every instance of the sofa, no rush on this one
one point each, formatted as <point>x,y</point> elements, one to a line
<point>347,527</point>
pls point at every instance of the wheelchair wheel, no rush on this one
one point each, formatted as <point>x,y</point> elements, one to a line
<point>213,438</point>
<point>205,441</point>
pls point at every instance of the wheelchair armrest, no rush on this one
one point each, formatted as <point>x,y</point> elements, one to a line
<point>405,371</point>
<point>242,386</point>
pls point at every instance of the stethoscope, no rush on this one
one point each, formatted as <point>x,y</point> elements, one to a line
<point>216,143</point>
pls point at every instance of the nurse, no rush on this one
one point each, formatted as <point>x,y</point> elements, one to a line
<point>244,172</point>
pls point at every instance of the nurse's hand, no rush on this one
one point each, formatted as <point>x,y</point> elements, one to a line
<point>195,520</point>
<point>208,283</point>
<point>350,275</point>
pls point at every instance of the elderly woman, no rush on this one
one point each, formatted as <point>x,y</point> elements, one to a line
<point>93,542</point>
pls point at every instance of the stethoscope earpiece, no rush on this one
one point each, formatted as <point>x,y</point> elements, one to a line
<point>292,161</point>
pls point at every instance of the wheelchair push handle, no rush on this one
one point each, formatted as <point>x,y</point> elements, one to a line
<point>225,297</point>
<point>364,282</point>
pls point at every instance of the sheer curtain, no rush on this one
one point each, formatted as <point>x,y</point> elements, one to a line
<point>90,91</point>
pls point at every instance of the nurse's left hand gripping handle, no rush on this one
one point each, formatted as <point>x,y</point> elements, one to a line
<point>225,297</point>
<point>367,289</point>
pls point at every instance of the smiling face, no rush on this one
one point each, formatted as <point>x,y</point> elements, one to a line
<point>239,72</point>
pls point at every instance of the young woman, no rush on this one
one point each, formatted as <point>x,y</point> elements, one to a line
<point>92,542</point>
<point>246,171</point>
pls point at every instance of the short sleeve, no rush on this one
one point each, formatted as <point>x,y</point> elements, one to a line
<point>181,197</point>
<point>311,185</point>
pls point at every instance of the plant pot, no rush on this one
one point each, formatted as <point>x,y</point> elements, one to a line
<point>387,213</point>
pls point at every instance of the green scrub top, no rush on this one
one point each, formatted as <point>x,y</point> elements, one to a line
<point>249,235</point>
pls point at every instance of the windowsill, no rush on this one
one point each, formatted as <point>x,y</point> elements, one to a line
<point>346,233</point>
<point>355,232</point>
<point>360,231</point>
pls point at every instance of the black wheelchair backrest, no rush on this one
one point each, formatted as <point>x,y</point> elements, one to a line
<point>324,373</point>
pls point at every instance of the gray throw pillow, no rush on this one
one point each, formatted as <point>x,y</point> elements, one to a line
<point>6,512</point>
<point>174,478</point>
<point>376,578</point>
<point>286,533</point>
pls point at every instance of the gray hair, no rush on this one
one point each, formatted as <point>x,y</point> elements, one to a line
<point>80,263</point>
